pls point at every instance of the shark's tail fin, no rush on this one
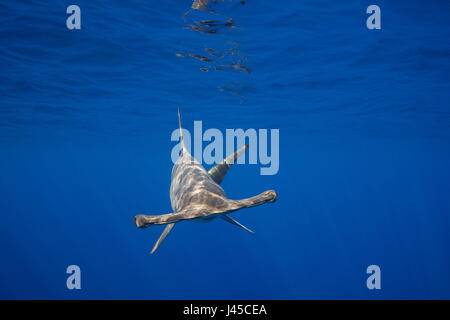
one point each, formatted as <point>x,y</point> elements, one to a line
<point>183,144</point>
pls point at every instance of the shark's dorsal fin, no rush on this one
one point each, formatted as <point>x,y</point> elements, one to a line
<point>218,172</point>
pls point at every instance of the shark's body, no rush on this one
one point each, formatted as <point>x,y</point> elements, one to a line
<point>195,194</point>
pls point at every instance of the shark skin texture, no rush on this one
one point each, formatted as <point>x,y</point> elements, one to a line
<point>196,194</point>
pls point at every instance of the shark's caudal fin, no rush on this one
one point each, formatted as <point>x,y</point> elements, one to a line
<point>169,227</point>
<point>183,144</point>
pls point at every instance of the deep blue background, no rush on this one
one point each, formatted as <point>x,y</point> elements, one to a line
<point>364,119</point>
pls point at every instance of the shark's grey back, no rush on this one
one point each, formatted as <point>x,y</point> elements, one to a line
<point>191,185</point>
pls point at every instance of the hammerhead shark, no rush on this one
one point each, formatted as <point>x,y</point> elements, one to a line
<point>196,195</point>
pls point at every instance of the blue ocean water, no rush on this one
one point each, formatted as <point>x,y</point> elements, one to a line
<point>85,123</point>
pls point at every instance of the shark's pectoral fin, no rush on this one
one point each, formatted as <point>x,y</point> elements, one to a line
<point>218,172</point>
<point>163,235</point>
<point>232,221</point>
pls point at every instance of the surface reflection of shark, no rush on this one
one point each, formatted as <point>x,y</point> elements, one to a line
<point>204,19</point>
<point>200,4</point>
<point>196,195</point>
<point>203,4</point>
